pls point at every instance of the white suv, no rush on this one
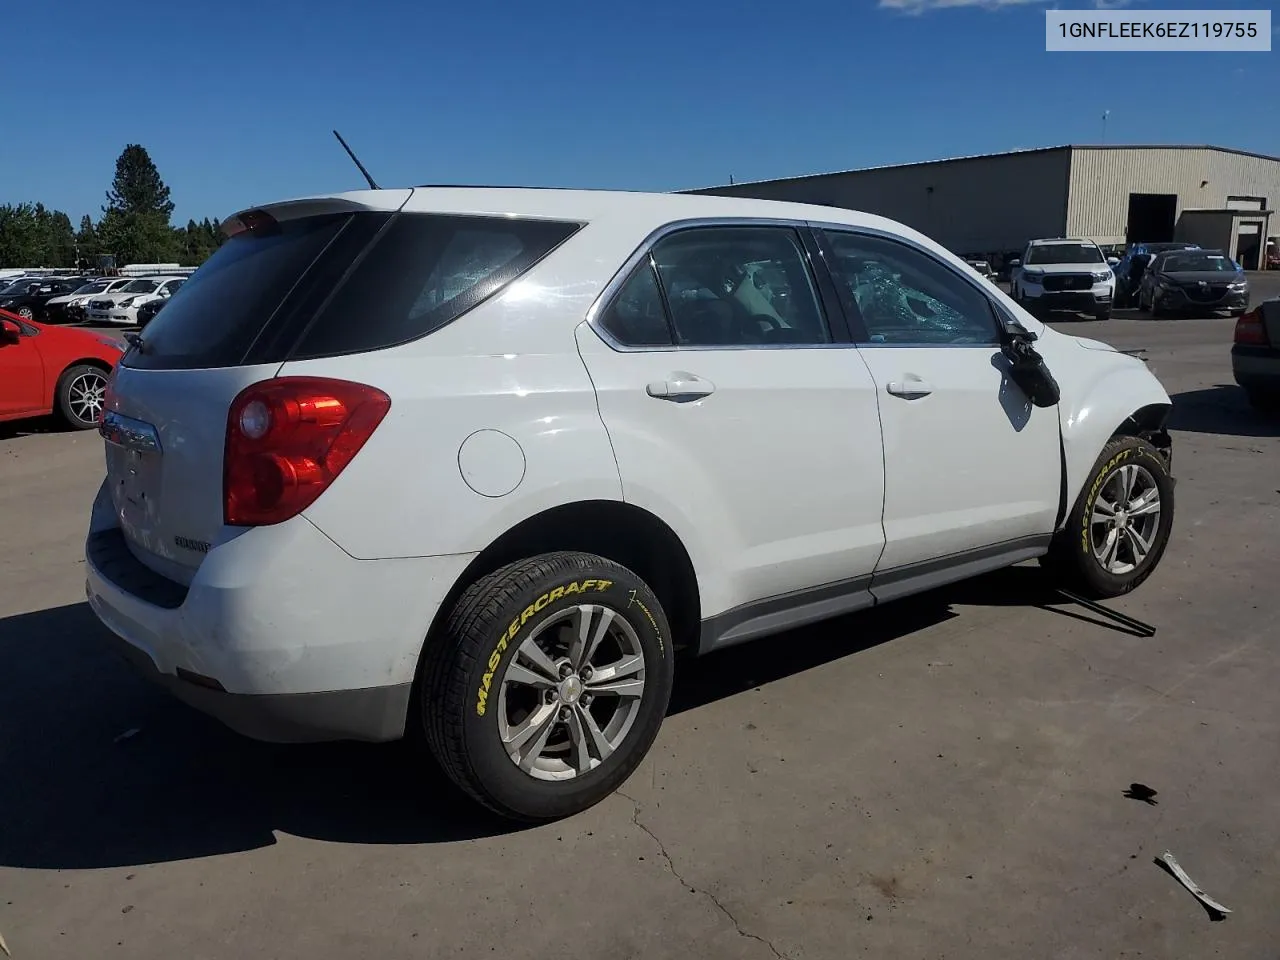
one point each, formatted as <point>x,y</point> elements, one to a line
<point>1064,275</point>
<point>478,463</point>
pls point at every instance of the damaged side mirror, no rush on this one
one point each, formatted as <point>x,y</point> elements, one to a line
<point>1026,367</point>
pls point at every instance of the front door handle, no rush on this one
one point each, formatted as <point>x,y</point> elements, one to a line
<point>911,389</point>
<point>680,388</point>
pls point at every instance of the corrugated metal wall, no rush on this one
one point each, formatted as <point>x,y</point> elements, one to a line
<point>978,205</point>
<point>1103,178</point>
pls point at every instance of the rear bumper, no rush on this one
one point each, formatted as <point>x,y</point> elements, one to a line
<point>1256,368</point>
<point>281,635</point>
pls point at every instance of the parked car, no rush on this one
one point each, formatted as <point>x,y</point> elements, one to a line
<point>1255,355</point>
<point>984,268</point>
<point>1133,265</point>
<point>1064,275</point>
<point>1272,253</point>
<point>70,307</point>
<point>121,305</point>
<point>148,310</point>
<point>558,442</point>
<point>46,369</point>
<point>27,297</point>
<point>1193,281</point>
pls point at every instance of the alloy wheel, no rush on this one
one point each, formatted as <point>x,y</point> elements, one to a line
<point>86,395</point>
<point>571,693</point>
<point>1125,521</point>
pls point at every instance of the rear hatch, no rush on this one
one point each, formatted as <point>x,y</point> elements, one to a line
<point>294,281</point>
<point>230,325</point>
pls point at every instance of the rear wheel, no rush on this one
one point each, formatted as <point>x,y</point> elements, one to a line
<point>1119,528</point>
<point>80,395</point>
<point>548,684</point>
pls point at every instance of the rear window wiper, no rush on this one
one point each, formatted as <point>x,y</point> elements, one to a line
<point>135,340</point>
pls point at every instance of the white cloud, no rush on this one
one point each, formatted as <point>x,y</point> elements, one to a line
<point>921,6</point>
<point>916,7</point>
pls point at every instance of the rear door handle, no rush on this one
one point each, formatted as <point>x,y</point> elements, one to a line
<point>681,388</point>
<point>911,389</point>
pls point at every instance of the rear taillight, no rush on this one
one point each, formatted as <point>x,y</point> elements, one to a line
<point>1250,329</point>
<point>288,439</point>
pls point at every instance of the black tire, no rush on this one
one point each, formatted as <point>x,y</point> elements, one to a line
<point>464,668</point>
<point>1102,313</point>
<point>70,398</point>
<point>1071,556</point>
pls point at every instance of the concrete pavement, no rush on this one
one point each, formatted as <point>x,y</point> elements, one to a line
<point>940,778</point>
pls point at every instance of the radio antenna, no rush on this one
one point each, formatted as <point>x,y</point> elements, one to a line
<point>356,160</point>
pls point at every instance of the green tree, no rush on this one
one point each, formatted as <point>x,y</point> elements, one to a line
<point>87,240</point>
<point>137,187</point>
<point>135,221</point>
<point>31,235</point>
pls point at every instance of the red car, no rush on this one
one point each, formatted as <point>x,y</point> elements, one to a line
<point>46,369</point>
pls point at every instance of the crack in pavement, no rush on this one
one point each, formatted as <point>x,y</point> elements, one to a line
<point>671,869</point>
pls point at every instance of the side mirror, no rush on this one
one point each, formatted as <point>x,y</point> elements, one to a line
<point>10,332</point>
<point>1027,368</point>
<point>1015,262</point>
<point>1112,261</point>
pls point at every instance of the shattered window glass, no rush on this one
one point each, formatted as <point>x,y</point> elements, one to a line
<point>905,296</point>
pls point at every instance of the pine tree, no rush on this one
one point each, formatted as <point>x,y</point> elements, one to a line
<point>135,222</point>
<point>137,187</point>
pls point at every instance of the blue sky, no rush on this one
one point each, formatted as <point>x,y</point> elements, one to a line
<point>236,100</point>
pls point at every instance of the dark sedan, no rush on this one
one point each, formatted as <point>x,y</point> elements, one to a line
<point>1129,271</point>
<point>27,298</point>
<point>1193,281</point>
<point>1255,355</point>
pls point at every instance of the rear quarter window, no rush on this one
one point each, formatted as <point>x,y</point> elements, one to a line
<point>424,271</point>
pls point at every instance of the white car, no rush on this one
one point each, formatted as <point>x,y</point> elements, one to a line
<point>120,306</point>
<point>1068,275</point>
<point>73,307</point>
<point>480,462</point>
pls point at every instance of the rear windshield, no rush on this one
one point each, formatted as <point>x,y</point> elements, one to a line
<point>289,290</point>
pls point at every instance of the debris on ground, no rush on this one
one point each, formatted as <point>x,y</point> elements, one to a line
<point>1168,861</point>
<point>1140,791</point>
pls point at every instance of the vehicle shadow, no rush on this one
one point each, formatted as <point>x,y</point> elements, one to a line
<point>14,429</point>
<point>1221,410</point>
<point>101,769</point>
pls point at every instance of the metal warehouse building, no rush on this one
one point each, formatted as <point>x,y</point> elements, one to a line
<point>992,204</point>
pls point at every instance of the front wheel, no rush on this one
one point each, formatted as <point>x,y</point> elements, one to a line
<point>1102,313</point>
<point>1119,528</point>
<point>548,684</point>
<point>81,393</point>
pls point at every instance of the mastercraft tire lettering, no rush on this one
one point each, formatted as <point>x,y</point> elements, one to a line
<point>547,685</point>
